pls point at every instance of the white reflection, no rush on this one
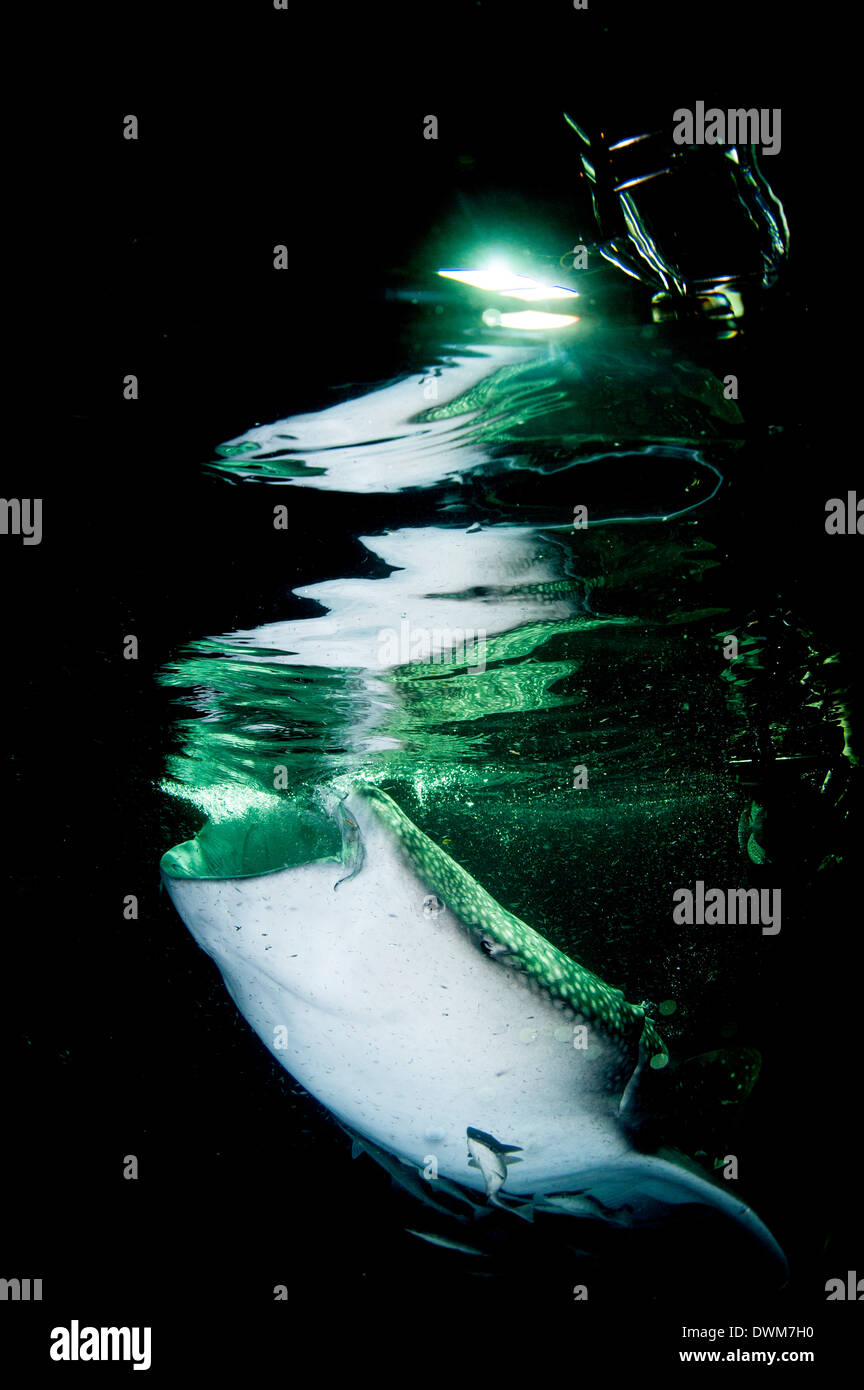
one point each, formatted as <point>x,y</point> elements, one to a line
<point>503,281</point>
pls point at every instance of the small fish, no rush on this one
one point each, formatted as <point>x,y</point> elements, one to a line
<point>580,1204</point>
<point>446,1243</point>
<point>491,1157</point>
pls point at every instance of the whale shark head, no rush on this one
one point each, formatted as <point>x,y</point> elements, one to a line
<point>419,1010</point>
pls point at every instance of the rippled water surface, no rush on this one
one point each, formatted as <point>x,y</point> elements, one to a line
<point>548,700</point>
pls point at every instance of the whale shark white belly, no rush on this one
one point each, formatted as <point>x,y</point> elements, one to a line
<point>415,1008</point>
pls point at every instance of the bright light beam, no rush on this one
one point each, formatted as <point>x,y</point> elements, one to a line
<point>503,281</point>
<point>528,319</point>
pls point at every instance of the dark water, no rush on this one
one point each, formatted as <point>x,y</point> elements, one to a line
<point>259,647</point>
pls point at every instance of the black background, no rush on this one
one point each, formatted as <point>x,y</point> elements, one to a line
<point>155,257</point>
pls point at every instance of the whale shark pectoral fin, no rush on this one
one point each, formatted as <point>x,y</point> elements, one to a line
<point>642,1188</point>
<point>353,853</point>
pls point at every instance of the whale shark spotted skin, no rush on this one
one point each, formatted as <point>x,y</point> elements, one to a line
<point>417,1009</point>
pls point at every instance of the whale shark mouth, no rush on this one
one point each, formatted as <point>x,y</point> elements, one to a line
<point>418,1009</point>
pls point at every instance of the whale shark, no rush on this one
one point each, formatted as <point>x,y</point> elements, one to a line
<point>421,1012</point>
